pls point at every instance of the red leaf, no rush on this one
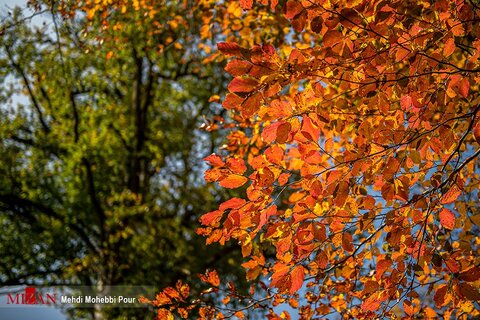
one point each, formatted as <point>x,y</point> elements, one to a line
<point>214,160</point>
<point>238,67</point>
<point>341,193</point>
<point>233,203</point>
<point>391,168</point>
<point>322,260</point>
<point>232,101</point>
<point>469,292</point>
<point>273,4</point>
<point>452,265</point>
<point>229,48</point>
<point>251,105</point>
<point>265,214</point>
<point>299,21</point>
<point>283,132</point>
<point>297,276</point>
<point>317,24</point>
<point>382,266</point>
<point>439,296</point>
<point>470,275</point>
<point>233,181</point>
<point>464,87</point>
<point>246,4</point>
<point>347,242</point>
<point>280,270</point>
<point>211,218</point>
<point>369,287</point>
<point>293,8</point>
<point>242,85</point>
<point>447,219</point>
<point>406,102</point>
<point>476,133</point>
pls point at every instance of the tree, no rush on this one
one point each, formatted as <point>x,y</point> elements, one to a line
<point>99,176</point>
<point>355,138</point>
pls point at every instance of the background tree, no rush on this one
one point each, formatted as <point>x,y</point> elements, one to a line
<point>357,142</point>
<point>100,174</point>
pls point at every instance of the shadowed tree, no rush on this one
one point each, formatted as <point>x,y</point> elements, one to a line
<point>100,175</point>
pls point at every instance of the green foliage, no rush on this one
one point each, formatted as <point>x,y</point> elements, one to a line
<point>99,175</point>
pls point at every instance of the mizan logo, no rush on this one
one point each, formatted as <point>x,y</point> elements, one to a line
<point>31,296</point>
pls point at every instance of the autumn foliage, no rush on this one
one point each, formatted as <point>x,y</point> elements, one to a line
<point>354,133</point>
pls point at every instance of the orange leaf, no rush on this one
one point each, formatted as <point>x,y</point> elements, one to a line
<point>274,154</point>
<point>293,8</point>
<point>214,98</point>
<point>161,299</point>
<point>408,307</point>
<point>214,160</point>
<point>233,181</point>
<point>183,288</point>
<point>297,276</point>
<point>372,303</point>
<point>309,131</point>
<point>270,132</point>
<point>236,165</point>
<point>233,203</point>
<point>246,4</point>
<point>164,314</point>
<point>331,38</point>
<point>451,195</point>
<point>299,22</point>
<point>449,47</point>
<point>447,219</point>
<point>211,218</point>
<point>212,278</point>
<point>172,293</point>
<point>406,102</point>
